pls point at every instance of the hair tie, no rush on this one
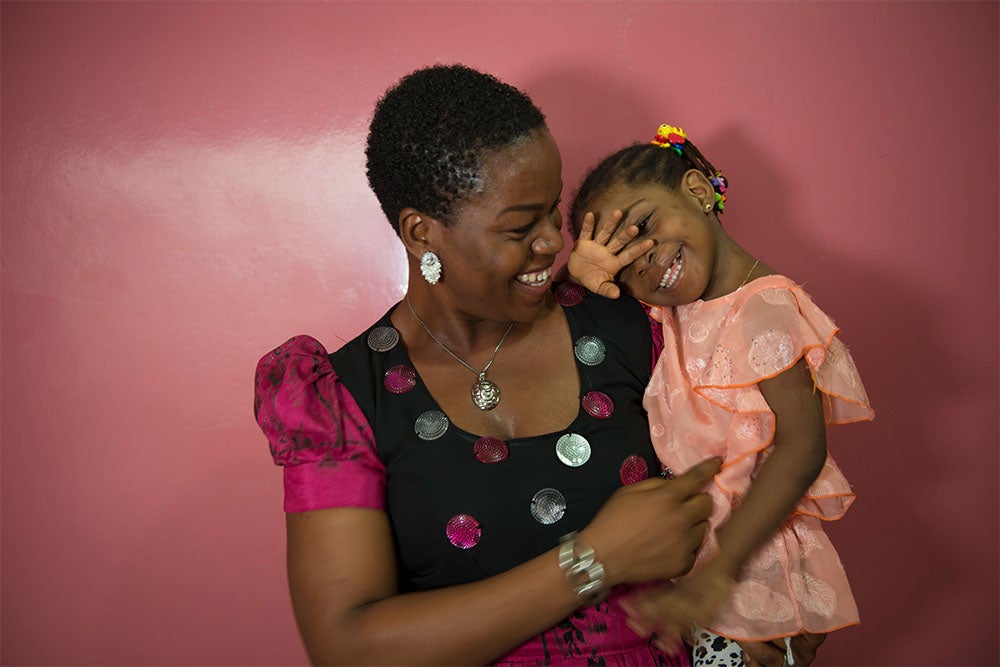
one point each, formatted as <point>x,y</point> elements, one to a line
<point>671,136</point>
<point>718,182</point>
<point>668,136</point>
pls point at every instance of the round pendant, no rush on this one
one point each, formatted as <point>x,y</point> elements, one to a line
<point>485,394</point>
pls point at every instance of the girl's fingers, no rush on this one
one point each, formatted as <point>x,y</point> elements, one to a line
<point>622,237</point>
<point>587,228</point>
<point>634,251</point>
<point>607,228</point>
<point>609,290</point>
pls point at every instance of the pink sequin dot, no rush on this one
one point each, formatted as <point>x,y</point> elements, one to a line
<point>570,294</point>
<point>490,450</point>
<point>634,469</point>
<point>463,531</point>
<point>400,379</point>
<point>598,404</point>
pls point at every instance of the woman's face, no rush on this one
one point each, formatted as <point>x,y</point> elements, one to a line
<point>682,264</point>
<point>497,256</point>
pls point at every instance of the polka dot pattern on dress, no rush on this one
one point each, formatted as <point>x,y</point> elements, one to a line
<point>431,425</point>
<point>463,531</point>
<point>598,405</point>
<point>548,506</point>
<point>590,350</point>
<point>633,469</point>
<point>573,449</point>
<point>570,294</point>
<point>400,379</point>
<point>383,339</point>
<point>490,450</point>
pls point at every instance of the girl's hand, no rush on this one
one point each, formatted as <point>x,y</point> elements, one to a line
<point>598,257</point>
<point>671,613</point>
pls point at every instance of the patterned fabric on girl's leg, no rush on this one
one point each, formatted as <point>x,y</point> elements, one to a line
<point>711,650</point>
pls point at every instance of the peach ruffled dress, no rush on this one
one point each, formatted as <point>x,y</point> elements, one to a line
<point>703,400</point>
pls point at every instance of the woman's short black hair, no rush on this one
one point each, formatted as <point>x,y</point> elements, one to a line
<point>429,132</point>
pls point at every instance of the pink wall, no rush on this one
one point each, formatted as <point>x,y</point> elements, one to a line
<point>183,189</point>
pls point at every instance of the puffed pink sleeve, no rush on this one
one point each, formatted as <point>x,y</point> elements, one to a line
<point>316,431</point>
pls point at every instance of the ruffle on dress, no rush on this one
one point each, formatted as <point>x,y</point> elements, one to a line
<point>316,431</point>
<point>703,400</point>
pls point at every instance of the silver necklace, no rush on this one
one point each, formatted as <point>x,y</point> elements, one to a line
<point>485,394</point>
<point>756,262</point>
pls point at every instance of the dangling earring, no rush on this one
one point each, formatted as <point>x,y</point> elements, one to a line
<point>430,267</point>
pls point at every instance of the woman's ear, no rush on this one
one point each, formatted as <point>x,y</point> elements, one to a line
<point>418,231</point>
<point>695,184</point>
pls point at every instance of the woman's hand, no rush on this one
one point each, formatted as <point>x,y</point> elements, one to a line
<point>653,529</point>
<point>772,654</point>
<point>598,256</point>
<point>672,612</point>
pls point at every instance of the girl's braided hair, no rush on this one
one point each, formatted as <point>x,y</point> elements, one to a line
<point>640,164</point>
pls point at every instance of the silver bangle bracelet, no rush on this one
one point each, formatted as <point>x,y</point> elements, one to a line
<point>583,571</point>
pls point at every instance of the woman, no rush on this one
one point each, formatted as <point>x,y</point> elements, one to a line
<point>424,517</point>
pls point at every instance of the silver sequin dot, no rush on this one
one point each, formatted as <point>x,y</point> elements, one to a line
<point>548,506</point>
<point>573,449</point>
<point>400,379</point>
<point>383,339</point>
<point>490,450</point>
<point>431,425</point>
<point>589,350</point>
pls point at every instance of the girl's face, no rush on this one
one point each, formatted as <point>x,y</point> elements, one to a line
<point>682,265</point>
<point>497,256</point>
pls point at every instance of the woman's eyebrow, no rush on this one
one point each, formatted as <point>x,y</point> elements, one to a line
<point>520,208</point>
<point>527,207</point>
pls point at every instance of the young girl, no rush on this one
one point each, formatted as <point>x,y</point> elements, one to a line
<point>750,371</point>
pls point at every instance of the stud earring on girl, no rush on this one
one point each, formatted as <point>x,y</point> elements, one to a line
<point>430,267</point>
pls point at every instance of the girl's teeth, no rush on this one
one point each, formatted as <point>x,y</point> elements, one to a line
<point>673,272</point>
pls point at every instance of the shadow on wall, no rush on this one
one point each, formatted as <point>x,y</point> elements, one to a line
<point>876,540</point>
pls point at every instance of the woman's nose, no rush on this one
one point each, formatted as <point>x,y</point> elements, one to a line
<point>549,242</point>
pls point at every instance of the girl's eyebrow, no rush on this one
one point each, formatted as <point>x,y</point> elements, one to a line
<point>631,206</point>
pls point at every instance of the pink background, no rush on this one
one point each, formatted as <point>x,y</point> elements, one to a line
<point>183,189</point>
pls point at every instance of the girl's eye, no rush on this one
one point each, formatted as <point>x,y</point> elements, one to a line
<point>642,224</point>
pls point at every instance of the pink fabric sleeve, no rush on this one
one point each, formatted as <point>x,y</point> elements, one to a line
<point>316,431</point>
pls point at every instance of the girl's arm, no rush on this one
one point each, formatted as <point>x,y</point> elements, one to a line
<point>795,462</point>
<point>343,579</point>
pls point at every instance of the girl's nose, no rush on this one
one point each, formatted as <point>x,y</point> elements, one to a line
<point>643,262</point>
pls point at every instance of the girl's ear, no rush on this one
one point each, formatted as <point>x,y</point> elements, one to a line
<point>696,185</point>
<point>418,231</point>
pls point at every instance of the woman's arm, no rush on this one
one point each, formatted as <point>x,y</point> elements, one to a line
<point>342,575</point>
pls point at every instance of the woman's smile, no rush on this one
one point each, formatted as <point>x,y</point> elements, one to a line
<point>537,279</point>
